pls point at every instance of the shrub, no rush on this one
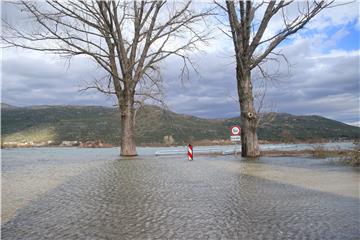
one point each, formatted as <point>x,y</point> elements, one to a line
<point>319,152</point>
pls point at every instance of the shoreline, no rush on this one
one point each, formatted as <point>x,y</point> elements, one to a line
<point>99,144</point>
<point>349,156</point>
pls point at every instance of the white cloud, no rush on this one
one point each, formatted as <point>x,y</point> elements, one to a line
<point>323,80</point>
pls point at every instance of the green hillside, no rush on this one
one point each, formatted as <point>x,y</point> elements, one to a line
<point>68,123</point>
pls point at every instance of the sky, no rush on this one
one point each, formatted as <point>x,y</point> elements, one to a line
<point>321,77</point>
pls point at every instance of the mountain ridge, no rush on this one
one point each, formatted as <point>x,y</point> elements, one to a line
<point>42,106</point>
<point>154,124</point>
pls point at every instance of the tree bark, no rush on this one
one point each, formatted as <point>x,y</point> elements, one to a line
<point>249,118</point>
<point>249,54</point>
<point>128,145</point>
<point>127,39</point>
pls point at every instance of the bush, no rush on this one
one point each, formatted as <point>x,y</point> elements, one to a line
<point>351,157</point>
<point>319,152</point>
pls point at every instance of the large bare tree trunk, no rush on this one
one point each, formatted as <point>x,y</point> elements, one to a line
<point>128,146</point>
<point>127,39</point>
<point>249,139</point>
<point>252,49</point>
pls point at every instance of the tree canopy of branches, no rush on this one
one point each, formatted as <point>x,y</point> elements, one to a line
<point>127,39</point>
<point>253,47</point>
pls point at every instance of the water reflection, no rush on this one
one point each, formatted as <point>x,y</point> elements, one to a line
<point>171,198</point>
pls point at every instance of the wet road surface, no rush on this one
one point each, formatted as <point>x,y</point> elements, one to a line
<point>209,198</point>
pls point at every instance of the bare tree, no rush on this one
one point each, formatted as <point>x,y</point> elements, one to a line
<point>253,48</point>
<point>127,39</point>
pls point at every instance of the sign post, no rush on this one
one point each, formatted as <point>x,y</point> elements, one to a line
<point>235,135</point>
<point>190,152</point>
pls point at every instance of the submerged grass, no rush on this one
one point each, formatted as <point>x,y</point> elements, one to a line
<point>348,157</point>
<point>351,158</point>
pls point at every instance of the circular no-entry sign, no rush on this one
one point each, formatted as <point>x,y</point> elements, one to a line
<point>235,130</point>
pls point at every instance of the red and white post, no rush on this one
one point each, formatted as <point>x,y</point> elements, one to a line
<point>190,152</point>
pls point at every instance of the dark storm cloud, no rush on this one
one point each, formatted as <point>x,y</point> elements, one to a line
<point>34,78</point>
<point>323,84</point>
<point>209,93</point>
<point>321,81</point>
<point>317,83</point>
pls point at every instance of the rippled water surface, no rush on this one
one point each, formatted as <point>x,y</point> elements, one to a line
<point>94,194</point>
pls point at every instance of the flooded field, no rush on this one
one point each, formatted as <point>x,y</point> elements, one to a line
<point>64,193</point>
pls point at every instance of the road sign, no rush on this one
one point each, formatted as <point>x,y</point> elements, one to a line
<point>235,138</point>
<point>235,132</point>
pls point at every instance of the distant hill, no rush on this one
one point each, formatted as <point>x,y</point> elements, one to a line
<point>6,106</point>
<point>83,123</point>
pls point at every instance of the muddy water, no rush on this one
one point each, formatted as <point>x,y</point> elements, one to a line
<point>92,194</point>
<point>29,173</point>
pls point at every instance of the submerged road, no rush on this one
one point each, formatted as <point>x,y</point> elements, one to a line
<point>209,198</point>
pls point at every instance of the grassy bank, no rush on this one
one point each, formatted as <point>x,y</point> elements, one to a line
<point>347,157</point>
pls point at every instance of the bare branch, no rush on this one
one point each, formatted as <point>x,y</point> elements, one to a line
<point>253,53</point>
<point>290,28</point>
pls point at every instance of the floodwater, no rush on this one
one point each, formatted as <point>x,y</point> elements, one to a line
<point>70,193</point>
